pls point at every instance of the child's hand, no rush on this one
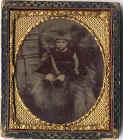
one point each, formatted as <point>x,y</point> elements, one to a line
<point>61,77</point>
<point>76,71</point>
<point>50,77</point>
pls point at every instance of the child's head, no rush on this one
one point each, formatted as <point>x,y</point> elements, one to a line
<point>61,43</point>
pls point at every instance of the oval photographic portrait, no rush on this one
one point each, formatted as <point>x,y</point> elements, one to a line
<point>59,71</point>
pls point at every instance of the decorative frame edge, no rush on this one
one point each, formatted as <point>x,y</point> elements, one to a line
<point>116,60</point>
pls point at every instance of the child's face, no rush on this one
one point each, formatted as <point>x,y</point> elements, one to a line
<point>61,44</point>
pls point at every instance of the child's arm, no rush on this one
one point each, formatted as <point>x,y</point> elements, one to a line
<point>44,56</point>
<point>76,63</point>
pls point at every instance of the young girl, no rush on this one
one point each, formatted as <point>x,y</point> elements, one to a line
<point>62,93</point>
<point>64,62</point>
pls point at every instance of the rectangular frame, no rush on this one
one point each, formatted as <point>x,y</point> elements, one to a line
<point>115,8</point>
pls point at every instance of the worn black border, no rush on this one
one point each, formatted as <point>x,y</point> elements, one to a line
<point>115,8</point>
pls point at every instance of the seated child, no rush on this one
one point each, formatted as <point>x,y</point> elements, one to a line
<point>64,61</point>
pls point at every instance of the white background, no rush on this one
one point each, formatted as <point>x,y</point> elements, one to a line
<point>121,3</point>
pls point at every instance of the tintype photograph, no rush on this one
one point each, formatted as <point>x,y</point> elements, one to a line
<point>59,71</point>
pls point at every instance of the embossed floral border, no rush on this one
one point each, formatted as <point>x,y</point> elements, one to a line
<point>116,60</point>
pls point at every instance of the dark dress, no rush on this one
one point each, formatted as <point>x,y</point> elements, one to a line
<point>64,62</point>
<point>67,102</point>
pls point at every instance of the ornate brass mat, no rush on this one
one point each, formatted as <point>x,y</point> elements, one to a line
<point>98,24</point>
